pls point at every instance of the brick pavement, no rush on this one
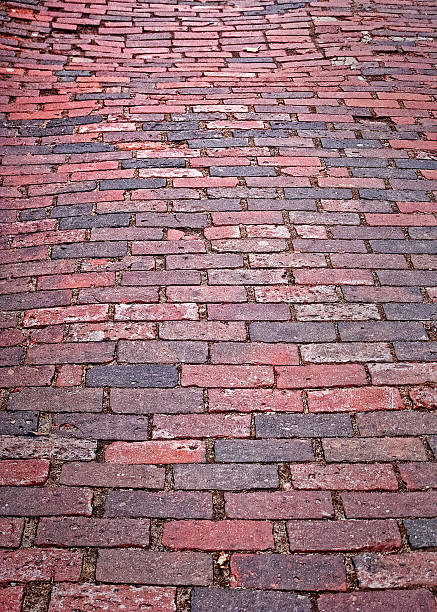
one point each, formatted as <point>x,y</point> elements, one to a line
<point>218,306</point>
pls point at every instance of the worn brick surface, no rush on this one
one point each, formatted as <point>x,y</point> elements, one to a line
<point>218,306</point>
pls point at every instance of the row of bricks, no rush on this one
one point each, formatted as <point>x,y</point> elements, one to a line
<point>148,375</point>
<point>67,597</point>
<point>304,476</point>
<point>227,476</point>
<point>296,573</point>
<point>308,536</point>
<point>164,374</point>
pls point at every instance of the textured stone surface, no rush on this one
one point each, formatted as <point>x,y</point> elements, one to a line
<point>218,306</point>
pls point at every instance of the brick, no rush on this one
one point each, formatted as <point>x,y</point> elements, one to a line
<point>46,502</point>
<point>318,536</point>
<point>155,312</point>
<point>201,426</point>
<point>150,401</point>
<point>184,451</point>
<point>100,427</point>
<point>355,400</point>
<point>311,376</point>
<point>251,451</point>
<point>226,376</point>
<point>302,425</point>
<point>11,598</point>
<point>11,530</point>
<point>374,449</point>
<point>101,532</point>
<point>246,400</point>
<point>70,314</point>
<point>344,352</point>
<point>288,573</point>
<point>69,597</point>
<point>57,400</point>
<point>384,424</point>
<point>202,330</point>
<point>141,567</point>
<point>279,505</point>
<point>162,351</point>
<point>12,447</point>
<point>292,332</point>
<point>343,476</point>
<point>248,312</point>
<point>379,601</point>
<point>254,353</point>
<point>91,474</point>
<point>225,477</point>
<point>71,352</point>
<point>424,397</point>
<point>18,423</point>
<point>169,504</point>
<point>225,600</point>
<point>218,535</point>
<point>403,373</point>
<point>32,564</point>
<point>419,475</point>
<point>388,505</point>
<point>22,473</point>
<point>399,570</point>
<point>153,375</point>
<point>421,533</point>
<point>26,375</point>
<point>382,330</point>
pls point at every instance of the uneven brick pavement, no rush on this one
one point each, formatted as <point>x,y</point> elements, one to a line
<point>218,306</point>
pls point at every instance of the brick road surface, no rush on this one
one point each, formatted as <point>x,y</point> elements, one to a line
<point>218,306</point>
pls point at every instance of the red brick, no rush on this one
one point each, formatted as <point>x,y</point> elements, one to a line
<point>202,330</point>
<point>11,598</point>
<point>10,532</point>
<point>355,399</point>
<point>261,400</point>
<point>319,536</point>
<point>256,353</point>
<point>310,376</point>
<point>333,277</point>
<point>155,312</point>
<point>226,376</point>
<point>279,505</point>
<point>344,476</point>
<point>30,564</point>
<point>71,352</point>
<point>389,505</point>
<point>374,449</point>
<point>419,475</point>
<point>69,314</point>
<point>95,598</point>
<point>30,472</point>
<point>26,375</point>
<point>403,373</point>
<point>394,571</point>
<point>218,535</point>
<point>183,451</point>
<point>201,426</point>
<point>424,397</point>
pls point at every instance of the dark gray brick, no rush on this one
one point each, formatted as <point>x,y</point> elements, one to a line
<point>35,299</point>
<point>302,425</point>
<point>132,183</point>
<point>404,246</point>
<point>412,278</point>
<point>422,533</point>
<point>240,451</point>
<point>241,171</point>
<point>168,504</point>
<point>83,147</point>
<point>225,477</point>
<point>36,501</point>
<point>245,600</point>
<point>152,567</point>
<point>100,426</point>
<point>153,375</point>
<point>89,249</point>
<point>88,221</point>
<point>411,312</point>
<point>382,330</point>
<point>416,351</point>
<point>292,332</point>
<point>92,474</point>
<point>18,423</point>
<point>194,220</point>
<point>57,399</point>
